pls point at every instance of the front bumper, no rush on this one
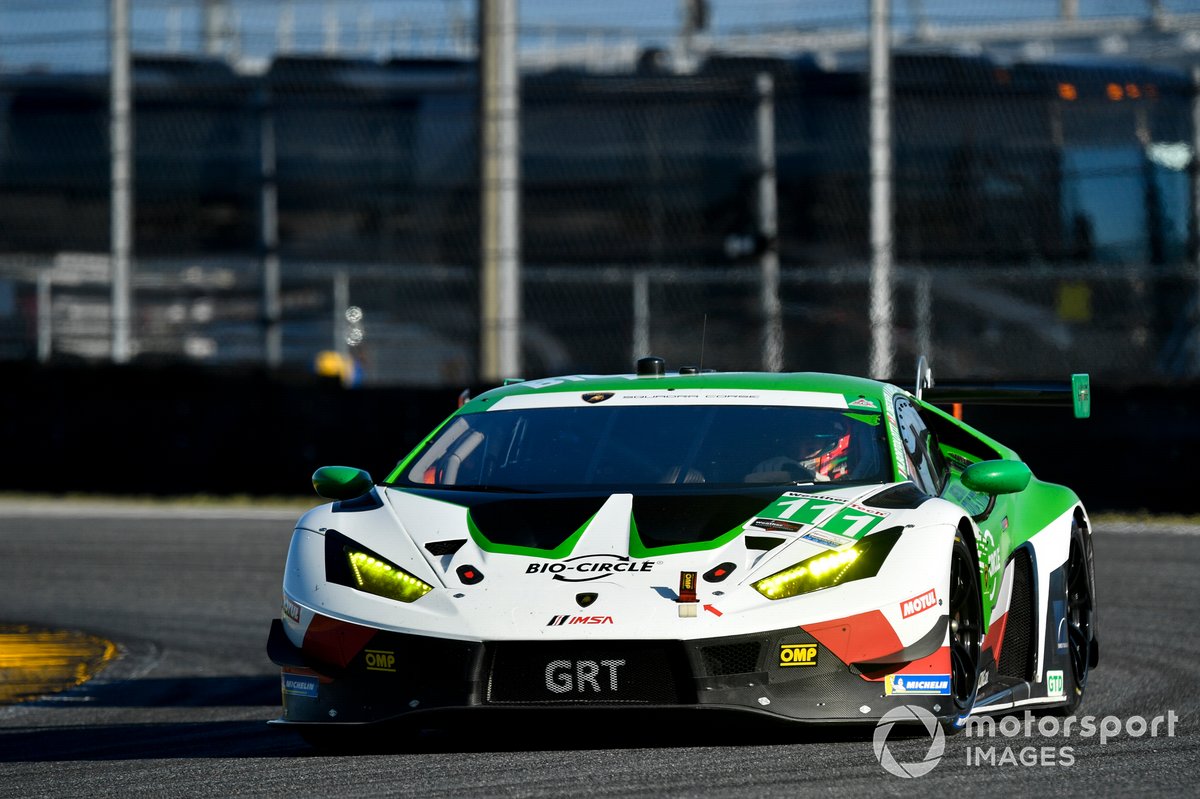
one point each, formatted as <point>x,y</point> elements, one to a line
<point>785,674</point>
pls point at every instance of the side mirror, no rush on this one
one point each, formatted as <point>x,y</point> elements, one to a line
<point>997,477</point>
<point>341,482</point>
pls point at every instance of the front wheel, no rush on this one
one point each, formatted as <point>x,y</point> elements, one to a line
<point>965,608</point>
<point>1080,616</point>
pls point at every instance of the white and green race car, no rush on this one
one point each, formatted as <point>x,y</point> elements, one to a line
<point>802,547</point>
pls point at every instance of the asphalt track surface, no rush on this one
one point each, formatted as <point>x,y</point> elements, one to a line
<point>189,594</point>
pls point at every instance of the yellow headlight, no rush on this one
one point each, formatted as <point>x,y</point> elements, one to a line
<point>828,569</point>
<point>377,576</point>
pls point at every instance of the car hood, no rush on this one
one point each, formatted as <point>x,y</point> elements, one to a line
<point>507,566</point>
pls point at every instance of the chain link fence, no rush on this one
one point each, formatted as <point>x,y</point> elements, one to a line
<point>419,326</point>
<point>1045,176</point>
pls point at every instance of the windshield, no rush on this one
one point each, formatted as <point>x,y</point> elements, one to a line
<point>632,447</point>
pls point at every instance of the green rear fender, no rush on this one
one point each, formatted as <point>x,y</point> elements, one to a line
<point>1036,507</point>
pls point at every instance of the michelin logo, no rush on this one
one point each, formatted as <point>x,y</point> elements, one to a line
<point>300,685</point>
<point>908,684</point>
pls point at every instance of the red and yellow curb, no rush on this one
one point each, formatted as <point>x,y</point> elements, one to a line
<point>36,662</point>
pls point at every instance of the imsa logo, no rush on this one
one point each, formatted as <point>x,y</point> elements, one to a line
<point>797,654</point>
<point>558,621</point>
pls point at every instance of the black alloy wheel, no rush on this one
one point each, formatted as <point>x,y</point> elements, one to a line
<point>966,625</point>
<point>1081,605</point>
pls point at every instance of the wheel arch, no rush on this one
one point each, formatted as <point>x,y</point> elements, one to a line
<point>1084,524</point>
<point>967,529</point>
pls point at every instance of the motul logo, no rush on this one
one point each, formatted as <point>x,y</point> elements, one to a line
<point>911,607</point>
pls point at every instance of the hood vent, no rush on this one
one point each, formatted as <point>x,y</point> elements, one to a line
<point>902,497</point>
<point>440,548</point>
<point>664,520</point>
<point>762,542</point>
<point>537,522</point>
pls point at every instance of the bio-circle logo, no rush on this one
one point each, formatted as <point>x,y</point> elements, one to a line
<point>907,714</point>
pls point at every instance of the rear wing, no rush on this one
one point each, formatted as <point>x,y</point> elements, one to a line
<point>1076,394</point>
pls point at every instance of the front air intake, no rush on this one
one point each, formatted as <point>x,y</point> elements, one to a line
<point>721,660</point>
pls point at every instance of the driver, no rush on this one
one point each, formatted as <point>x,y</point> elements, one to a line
<point>819,457</point>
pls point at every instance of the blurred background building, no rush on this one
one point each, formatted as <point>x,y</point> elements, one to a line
<point>1045,185</point>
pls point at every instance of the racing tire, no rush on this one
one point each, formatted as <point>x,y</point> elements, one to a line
<point>965,609</point>
<point>1080,617</point>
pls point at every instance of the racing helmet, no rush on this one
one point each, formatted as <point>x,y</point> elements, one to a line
<point>825,450</point>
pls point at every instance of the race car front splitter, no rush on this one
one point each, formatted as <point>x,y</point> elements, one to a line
<point>379,676</point>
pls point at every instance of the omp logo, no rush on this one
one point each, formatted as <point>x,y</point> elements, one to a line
<point>583,676</point>
<point>1054,683</point>
<point>907,714</point>
<point>380,660</point>
<point>797,654</point>
<point>582,568</point>
<point>925,601</point>
<point>559,621</point>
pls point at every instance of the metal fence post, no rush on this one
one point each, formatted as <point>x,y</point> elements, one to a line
<point>341,302</point>
<point>45,316</point>
<point>768,226</point>
<point>121,184</point>
<point>641,315</point>
<point>269,235</point>
<point>1195,222</point>
<point>882,352</point>
<point>923,300</point>
<point>499,185</point>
